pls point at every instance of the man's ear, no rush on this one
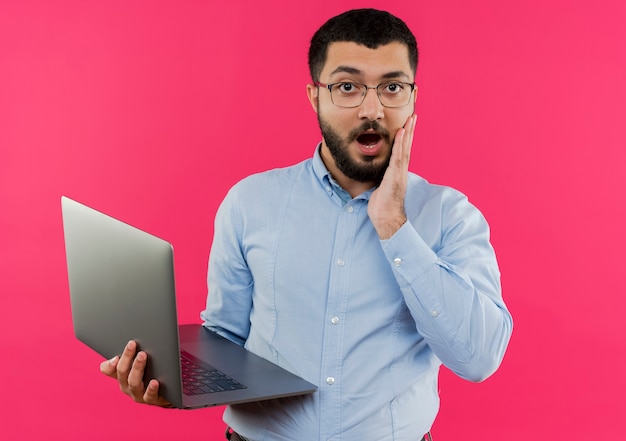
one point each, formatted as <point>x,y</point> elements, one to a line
<point>312,91</point>
<point>415,94</point>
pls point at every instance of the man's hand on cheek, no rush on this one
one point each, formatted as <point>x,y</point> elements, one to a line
<point>386,205</point>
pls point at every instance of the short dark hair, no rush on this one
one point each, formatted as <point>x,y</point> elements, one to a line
<point>369,27</point>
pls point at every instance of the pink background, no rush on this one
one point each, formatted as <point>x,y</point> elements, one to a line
<point>151,110</point>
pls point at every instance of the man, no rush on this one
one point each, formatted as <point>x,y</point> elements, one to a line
<point>347,269</point>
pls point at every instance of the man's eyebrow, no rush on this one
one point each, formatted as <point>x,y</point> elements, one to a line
<point>355,71</point>
<point>346,69</point>
<point>395,74</point>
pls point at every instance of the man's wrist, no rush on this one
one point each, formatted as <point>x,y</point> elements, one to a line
<point>386,229</point>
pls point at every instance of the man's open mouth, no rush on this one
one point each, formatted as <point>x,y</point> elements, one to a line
<point>368,139</point>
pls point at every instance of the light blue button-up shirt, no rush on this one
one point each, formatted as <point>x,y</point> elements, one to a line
<point>299,276</point>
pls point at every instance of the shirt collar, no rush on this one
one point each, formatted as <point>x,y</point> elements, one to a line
<point>330,186</point>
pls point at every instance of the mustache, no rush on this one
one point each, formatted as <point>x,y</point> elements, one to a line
<point>369,125</point>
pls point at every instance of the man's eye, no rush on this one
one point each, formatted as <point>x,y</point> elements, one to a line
<point>347,87</point>
<point>393,88</point>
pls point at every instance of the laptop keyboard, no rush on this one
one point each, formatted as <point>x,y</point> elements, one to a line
<point>204,380</point>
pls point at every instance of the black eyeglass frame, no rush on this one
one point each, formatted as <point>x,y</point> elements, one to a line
<point>364,93</point>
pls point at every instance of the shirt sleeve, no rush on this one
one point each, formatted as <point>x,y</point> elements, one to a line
<point>452,287</point>
<point>229,279</point>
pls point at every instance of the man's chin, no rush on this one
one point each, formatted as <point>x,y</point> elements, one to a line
<point>369,169</point>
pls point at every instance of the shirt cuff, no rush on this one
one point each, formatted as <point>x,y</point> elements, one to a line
<point>409,256</point>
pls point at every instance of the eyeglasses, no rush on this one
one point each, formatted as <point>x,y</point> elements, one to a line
<point>349,94</point>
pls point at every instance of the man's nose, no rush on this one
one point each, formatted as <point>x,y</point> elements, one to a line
<point>371,108</point>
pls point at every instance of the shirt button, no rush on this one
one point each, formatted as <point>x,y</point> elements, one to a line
<point>330,380</point>
<point>334,320</point>
<point>434,313</point>
<point>397,261</point>
<point>349,208</point>
<point>340,262</point>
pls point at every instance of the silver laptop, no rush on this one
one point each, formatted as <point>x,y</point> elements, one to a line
<point>122,288</point>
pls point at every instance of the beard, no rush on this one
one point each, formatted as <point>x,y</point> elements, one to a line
<point>366,170</point>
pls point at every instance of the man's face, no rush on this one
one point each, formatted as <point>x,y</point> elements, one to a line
<point>357,141</point>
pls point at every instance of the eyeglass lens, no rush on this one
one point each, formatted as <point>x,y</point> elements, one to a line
<point>393,94</point>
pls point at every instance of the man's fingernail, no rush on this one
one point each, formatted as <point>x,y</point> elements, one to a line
<point>113,360</point>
